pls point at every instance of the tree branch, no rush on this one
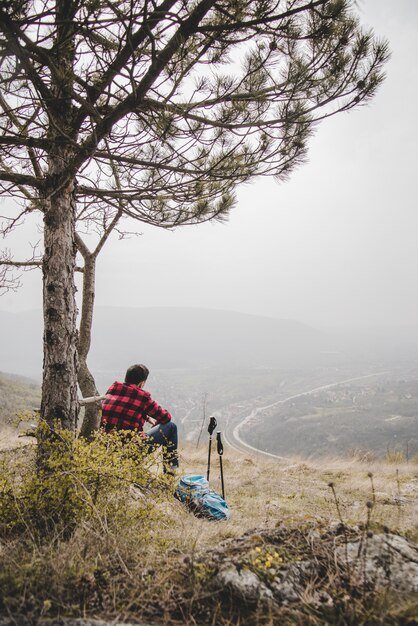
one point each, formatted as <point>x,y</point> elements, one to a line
<point>12,35</point>
<point>31,264</point>
<point>94,91</point>
<point>130,103</point>
<point>108,156</point>
<point>21,179</point>
<point>262,21</point>
<point>25,142</point>
<point>23,132</point>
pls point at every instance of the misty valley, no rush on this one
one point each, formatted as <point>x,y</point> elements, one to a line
<point>276,387</point>
<point>335,411</point>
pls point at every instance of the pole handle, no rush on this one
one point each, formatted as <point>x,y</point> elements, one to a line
<point>212,425</point>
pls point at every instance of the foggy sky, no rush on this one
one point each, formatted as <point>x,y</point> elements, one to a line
<point>335,245</point>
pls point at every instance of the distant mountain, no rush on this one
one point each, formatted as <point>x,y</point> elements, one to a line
<point>168,338</point>
<point>180,337</point>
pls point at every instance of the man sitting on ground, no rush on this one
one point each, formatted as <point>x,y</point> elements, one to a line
<point>127,406</point>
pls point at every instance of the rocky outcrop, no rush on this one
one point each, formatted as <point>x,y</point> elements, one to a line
<point>288,571</point>
<point>383,560</point>
<point>309,566</point>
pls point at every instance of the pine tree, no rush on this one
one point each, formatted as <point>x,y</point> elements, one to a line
<point>157,111</point>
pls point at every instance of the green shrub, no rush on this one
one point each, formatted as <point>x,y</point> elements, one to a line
<point>76,518</point>
<point>70,479</point>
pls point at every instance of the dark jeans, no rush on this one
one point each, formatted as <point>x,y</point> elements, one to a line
<point>165,435</point>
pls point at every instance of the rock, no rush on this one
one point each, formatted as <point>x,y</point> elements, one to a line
<point>289,583</point>
<point>309,575</point>
<point>383,560</point>
<point>244,585</point>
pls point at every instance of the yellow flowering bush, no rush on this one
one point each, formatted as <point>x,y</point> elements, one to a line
<point>265,561</point>
<point>70,479</point>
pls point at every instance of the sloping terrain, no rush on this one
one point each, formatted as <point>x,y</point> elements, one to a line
<point>18,397</point>
<point>294,537</point>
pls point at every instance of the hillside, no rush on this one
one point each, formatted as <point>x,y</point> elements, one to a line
<point>164,568</point>
<point>375,414</point>
<point>18,395</point>
<point>230,365</point>
<point>285,412</point>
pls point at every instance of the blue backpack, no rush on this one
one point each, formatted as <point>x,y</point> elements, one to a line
<point>193,490</point>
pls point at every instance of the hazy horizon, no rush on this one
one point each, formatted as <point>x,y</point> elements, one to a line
<point>195,338</point>
<point>343,325</point>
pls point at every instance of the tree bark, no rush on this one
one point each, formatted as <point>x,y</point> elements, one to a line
<point>92,413</point>
<point>86,380</point>
<point>59,384</point>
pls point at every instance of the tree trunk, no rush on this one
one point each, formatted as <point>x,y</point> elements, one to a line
<point>91,420</point>
<point>59,384</point>
<point>86,380</point>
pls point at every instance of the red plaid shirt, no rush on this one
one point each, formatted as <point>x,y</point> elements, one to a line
<point>128,406</point>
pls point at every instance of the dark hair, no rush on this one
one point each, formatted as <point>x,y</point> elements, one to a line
<point>136,374</point>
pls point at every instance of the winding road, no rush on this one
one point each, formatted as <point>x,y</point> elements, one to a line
<point>232,435</point>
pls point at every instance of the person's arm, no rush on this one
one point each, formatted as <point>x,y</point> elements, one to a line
<point>156,413</point>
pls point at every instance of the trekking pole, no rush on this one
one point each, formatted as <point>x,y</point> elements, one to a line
<point>220,452</point>
<point>211,428</point>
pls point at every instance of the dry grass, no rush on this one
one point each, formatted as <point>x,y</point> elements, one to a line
<point>119,567</point>
<point>10,439</point>
<point>263,492</point>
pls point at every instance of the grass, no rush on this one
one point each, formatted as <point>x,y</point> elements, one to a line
<point>263,492</point>
<point>138,555</point>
